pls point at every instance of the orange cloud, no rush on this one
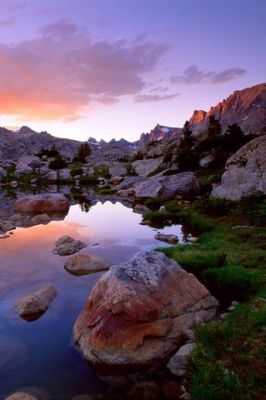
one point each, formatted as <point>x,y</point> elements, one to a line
<point>62,72</point>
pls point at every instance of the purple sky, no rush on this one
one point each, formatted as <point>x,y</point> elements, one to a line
<point>115,68</point>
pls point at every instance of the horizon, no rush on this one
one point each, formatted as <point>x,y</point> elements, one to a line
<point>114,70</point>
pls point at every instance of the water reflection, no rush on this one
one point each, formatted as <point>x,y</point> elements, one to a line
<point>41,353</point>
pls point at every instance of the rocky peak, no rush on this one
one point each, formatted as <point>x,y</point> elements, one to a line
<point>245,107</point>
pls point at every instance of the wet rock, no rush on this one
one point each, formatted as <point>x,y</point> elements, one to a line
<point>140,311</point>
<point>66,246</point>
<point>41,202</point>
<point>168,238</point>
<point>179,362</point>
<point>83,264</point>
<point>20,396</point>
<point>32,306</point>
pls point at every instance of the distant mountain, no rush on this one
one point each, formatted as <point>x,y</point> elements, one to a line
<point>246,108</point>
<point>103,151</point>
<point>25,141</point>
<point>160,133</point>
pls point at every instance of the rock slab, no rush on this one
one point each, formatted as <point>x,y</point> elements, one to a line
<point>141,311</point>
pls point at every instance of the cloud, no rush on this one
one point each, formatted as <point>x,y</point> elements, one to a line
<point>63,72</point>
<point>8,21</point>
<point>193,75</point>
<point>154,98</point>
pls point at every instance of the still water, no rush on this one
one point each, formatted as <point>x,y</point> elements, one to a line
<point>40,356</point>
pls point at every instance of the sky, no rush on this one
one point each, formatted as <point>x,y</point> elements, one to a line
<point>115,68</point>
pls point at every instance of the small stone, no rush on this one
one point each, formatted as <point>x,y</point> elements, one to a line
<point>223,316</point>
<point>234,303</point>
<point>66,246</point>
<point>32,306</point>
<point>231,308</point>
<point>168,238</point>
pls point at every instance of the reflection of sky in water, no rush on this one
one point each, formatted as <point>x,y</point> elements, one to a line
<point>40,353</point>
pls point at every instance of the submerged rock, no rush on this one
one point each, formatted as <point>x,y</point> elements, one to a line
<point>32,306</point>
<point>141,311</point>
<point>83,264</point>
<point>168,238</point>
<point>41,202</point>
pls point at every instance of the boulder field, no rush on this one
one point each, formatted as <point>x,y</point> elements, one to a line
<point>141,311</point>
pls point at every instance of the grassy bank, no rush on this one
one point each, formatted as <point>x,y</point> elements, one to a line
<point>229,258</point>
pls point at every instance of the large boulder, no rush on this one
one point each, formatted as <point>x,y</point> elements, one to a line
<point>48,202</point>
<point>64,173</point>
<point>27,164</point>
<point>35,304</point>
<point>245,172</point>
<point>167,187</point>
<point>147,167</point>
<point>141,311</point>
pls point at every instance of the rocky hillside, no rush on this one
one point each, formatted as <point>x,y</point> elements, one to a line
<point>246,108</point>
<point>25,141</point>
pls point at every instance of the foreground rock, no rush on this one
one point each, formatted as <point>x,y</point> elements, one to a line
<point>141,311</point>
<point>83,264</point>
<point>167,187</point>
<point>32,306</point>
<point>48,202</point>
<point>245,172</point>
<point>168,238</point>
<point>66,246</point>
<point>20,396</point>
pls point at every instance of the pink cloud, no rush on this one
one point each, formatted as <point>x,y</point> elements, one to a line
<point>154,98</point>
<point>63,72</point>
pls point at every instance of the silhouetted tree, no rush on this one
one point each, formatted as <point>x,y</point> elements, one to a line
<point>186,158</point>
<point>58,162</point>
<point>83,152</point>
<point>214,128</point>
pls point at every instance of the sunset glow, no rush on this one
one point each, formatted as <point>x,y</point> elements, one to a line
<point>112,69</point>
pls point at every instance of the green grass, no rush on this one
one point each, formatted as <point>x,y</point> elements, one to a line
<point>229,360</point>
